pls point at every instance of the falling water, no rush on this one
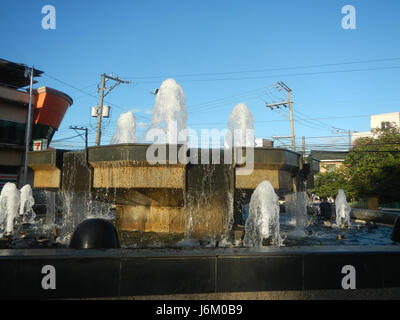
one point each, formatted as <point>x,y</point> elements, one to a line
<point>50,208</point>
<point>169,112</point>
<point>208,204</point>
<point>342,210</point>
<point>126,129</point>
<point>296,207</point>
<point>263,220</point>
<point>77,207</point>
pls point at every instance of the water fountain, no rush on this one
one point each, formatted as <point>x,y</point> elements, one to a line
<point>9,205</point>
<point>240,127</point>
<point>342,210</point>
<point>126,129</point>
<point>154,206</point>
<point>51,207</point>
<point>296,209</point>
<point>263,220</point>
<point>162,204</point>
<point>26,204</point>
<point>169,113</point>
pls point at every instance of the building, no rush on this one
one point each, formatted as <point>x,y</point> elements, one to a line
<point>263,143</point>
<point>379,121</point>
<point>49,106</point>
<point>329,160</point>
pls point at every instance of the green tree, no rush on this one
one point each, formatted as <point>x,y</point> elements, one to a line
<point>373,166</point>
<point>327,184</point>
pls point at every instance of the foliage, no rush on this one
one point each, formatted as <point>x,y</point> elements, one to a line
<point>374,165</point>
<point>327,184</point>
<point>372,168</point>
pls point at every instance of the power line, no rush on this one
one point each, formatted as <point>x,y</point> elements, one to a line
<point>284,75</point>
<point>267,70</point>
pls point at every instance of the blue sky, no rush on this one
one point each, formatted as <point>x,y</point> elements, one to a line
<point>147,42</point>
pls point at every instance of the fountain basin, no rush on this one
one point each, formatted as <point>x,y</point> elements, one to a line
<point>213,273</point>
<point>171,197</point>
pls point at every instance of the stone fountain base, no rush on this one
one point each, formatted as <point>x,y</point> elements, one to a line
<point>291,273</point>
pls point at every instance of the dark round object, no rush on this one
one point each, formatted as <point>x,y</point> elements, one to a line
<point>94,234</point>
<point>396,230</point>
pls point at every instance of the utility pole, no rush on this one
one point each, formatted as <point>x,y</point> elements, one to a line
<point>343,131</point>
<point>104,79</point>
<point>280,138</point>
<point>86,141</point>
<point>81,129</point>
<point>291,118</point>
<point>28,128</point>
<point>281,86</point>
<point>303,144</point>
<point>100,109</point>
<point>350,143</point>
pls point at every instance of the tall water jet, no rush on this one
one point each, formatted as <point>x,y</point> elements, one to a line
<point>126,129</point>
<point>9,204</point>
<point>169,112</point>
<point>263,220</point>
<point>342,210</point>
<point>240,127</point>
<point>296,208</point>
<point>26,204</point>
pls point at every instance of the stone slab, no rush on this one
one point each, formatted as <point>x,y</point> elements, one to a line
<point>128,273</point>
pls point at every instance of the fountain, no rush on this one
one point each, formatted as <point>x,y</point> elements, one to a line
<point>9,205</point>
<point>169,113</point>
<point>263,220</point>
<point>158,205</point>
<point>296,208</point>
<point>26,204</point>
<point>51,207</point>
<point>342,210</point>
<point>126,129</point>
<point>159,209</point>
<point>240,128</point>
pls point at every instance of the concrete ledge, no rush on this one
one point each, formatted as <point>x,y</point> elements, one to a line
<point>360,294</point>
<point>297,272</point>
<point>374,215</point>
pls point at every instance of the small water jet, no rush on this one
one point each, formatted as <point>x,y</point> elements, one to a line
<point>169,112</point>
<point>296,208</point>
<point>9,205</point>
<point>240,127</point>
<point>126,129</point>
<point>263,220</point>
<point>26,204</point>
<point>342,210</point>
